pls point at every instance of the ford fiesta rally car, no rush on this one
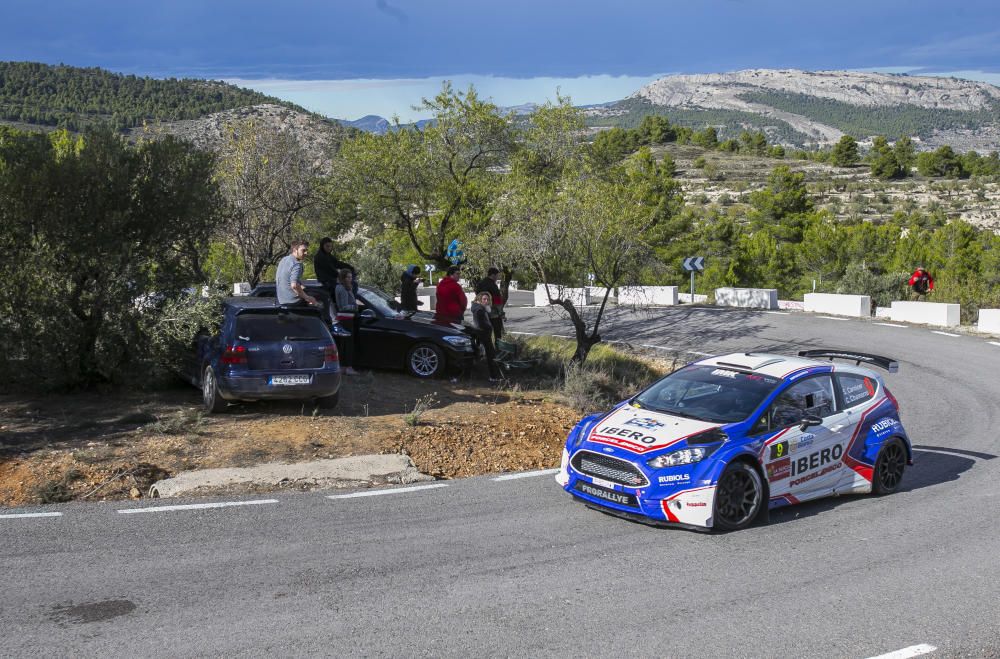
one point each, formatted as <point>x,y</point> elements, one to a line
<point>724,439</point>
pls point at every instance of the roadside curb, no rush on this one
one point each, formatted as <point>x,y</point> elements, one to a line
<point>355,470</point>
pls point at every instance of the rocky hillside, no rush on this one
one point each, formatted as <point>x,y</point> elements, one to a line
<point>801,107</point>
<point>319,136</point>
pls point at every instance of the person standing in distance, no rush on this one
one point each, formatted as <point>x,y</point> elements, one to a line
<point>409,281</point>
<point>347,311</point>
<point>490,284</point>
<point>482,322</point>
<point>288,279</point>
<point>451,300</point>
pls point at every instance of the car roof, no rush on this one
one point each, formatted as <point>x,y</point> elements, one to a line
<point>243,303</point>
<point>764,363</point>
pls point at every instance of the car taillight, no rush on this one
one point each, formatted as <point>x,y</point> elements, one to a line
<point>892,398</point>
<point>235,355</point>
<point>330,354</point>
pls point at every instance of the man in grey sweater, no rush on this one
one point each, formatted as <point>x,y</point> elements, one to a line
<point>288,279</point>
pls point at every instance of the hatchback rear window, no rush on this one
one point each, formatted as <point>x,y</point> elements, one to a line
<point>280,327</point>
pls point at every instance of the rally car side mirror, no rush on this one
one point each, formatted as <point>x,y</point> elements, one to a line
<point>809,421</point>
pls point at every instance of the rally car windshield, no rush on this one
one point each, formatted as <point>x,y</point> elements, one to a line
<point>708,393</point>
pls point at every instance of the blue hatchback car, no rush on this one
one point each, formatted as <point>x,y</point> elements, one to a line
<point>264,351</point>
<point>719,442</point>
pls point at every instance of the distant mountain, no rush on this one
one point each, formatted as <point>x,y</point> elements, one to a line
<point>802,107</point>
<point>370,123</point>
<point>73,97</point>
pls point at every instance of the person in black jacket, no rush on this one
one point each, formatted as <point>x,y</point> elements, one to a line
<point>408,288</point>
<point>483,329</point>
<point>488,284</point>
<point>328,267</point>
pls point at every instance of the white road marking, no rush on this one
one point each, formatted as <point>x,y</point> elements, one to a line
<point>993,343</point>
<point>195,506</point>
<point>944,333</point>
<point>23,515</point>
<point>779,313</point>
<point>524,333</point>
<point>375,493</point>
<point>905,653</point>
<point>525,474</point>
<point>563,336</point>
<point>890,325</point>
<point>703,354</point>
<point>649,345</point>
<point>833,318</point>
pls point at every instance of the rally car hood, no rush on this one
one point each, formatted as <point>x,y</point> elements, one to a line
<point>641,431</point>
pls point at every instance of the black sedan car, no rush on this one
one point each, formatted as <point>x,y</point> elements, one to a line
<point>394,339</point>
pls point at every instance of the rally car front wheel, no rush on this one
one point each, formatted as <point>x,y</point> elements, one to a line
<point>739,495</point>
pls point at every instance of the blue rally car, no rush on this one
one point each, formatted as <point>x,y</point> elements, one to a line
<point>721,441</point>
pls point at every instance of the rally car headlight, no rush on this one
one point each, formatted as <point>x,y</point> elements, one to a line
<point>677,458</point>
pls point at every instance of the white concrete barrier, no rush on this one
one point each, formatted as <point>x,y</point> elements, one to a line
<point>579,296</point>
<point>926,313</point>
<point>661,296</point>
<point>857,306</point>
<point>791,305</point>
<point>241,288</point>
<point>685,298</point>
<point>883,312</point>
<point>429,302</point>
<point>596,294</point>
<point>751,298</point>
<point>989,321</point>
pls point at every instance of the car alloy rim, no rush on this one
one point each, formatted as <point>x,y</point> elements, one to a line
<point>424,361</point>
<point>738,497</point>
<point>890,468</point>
<point>208,391</point>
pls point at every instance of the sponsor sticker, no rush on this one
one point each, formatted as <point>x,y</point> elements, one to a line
<point>883,426</point>
<point>723,373</point>
<point>674,478</point>
<point>644,422</point>
<point>780,469</point>
<point>802,442</point>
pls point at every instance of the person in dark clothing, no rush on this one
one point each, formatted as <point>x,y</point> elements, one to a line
<point>484,332</point>
<point>347,310</point>
<point>328,267</point>
<point>409,281</point>
<point>490,284</point>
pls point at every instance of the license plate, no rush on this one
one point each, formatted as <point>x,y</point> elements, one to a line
<point>613,496</point>
<point>289,379</point>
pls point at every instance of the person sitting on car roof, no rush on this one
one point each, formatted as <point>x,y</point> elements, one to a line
<point>288,278</point>
<point>328,266</point>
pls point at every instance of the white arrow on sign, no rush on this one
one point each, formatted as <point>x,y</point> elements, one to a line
<point>693,263</point>
<point>429,267</point>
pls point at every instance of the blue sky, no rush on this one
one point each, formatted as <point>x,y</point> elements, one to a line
<point>351,57</point>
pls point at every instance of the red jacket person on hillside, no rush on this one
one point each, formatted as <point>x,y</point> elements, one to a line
<point>451,300</point>
<point>921,281</point>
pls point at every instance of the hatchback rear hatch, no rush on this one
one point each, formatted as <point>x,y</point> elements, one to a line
<point>278,340</point>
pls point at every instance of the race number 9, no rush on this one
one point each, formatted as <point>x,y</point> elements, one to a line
<point>779,450</point>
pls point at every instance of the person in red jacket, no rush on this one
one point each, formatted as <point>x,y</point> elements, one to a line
<point>921,281</point>
<point>451,300</point>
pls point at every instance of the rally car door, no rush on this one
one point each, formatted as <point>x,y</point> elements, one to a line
<point>805,463</point>
<point>857,394</point>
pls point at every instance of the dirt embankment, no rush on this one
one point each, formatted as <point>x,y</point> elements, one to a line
<point>114,446</point>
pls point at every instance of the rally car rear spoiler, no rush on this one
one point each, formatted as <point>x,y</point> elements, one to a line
<point>858,358</point>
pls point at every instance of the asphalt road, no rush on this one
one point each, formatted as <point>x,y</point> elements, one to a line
<point>515,568</point>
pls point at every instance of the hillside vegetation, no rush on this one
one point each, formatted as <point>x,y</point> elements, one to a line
<point>73,98</point>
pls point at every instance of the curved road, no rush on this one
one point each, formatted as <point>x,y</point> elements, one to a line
<point>514,567</point>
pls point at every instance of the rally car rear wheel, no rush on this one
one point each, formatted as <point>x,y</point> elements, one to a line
<point>889,467</point>
<point>738,497</point>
